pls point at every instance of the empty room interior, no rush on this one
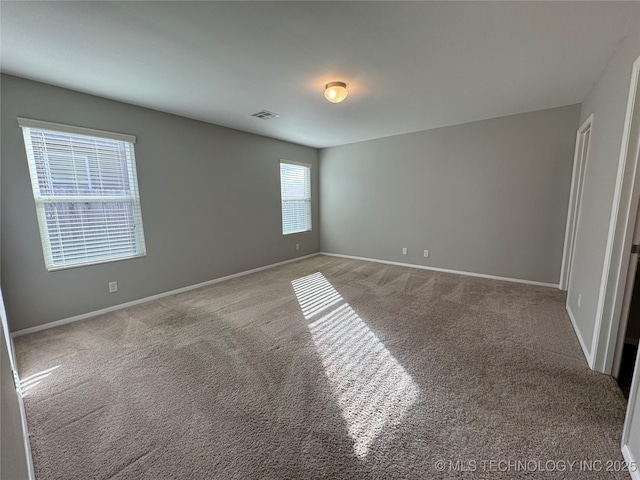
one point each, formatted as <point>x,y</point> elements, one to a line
<point>305,240</point>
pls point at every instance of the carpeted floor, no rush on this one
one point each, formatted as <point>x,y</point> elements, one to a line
<point>324,368</point>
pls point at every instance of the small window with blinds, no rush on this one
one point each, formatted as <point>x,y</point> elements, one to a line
<point>295,189</point>
<point>86,194</point>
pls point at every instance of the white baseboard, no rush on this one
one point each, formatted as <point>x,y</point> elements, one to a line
<point>445,270</point>
<point>140,301</point>
<point>120,306</point>
<point>631,463</point>
<point>585,350</point>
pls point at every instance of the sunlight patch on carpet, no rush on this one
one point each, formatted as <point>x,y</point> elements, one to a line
<point>372,389</point>
<point>34,380</point>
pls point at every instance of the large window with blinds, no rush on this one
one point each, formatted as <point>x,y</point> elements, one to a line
<point>295,188</point>
<point>85,189</point>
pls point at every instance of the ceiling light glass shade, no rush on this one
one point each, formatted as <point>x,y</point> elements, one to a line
<point>336,92</point>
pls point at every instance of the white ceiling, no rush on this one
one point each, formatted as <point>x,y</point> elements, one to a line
<point>408,66</point>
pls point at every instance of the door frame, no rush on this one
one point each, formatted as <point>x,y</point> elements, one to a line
<point>618,250</point>
<point>12,365</point>
<point>580,158</point>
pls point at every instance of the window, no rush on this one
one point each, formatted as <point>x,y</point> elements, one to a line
<point>295,188</point>
<point>86,194</point>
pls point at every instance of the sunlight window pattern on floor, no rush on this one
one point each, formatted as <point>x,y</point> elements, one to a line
<point>34,380</point>
<point>372,389</point>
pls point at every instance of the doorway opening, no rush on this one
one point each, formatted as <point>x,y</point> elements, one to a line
<point>629,350</point>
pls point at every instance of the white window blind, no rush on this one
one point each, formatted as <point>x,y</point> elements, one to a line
<point>295,187</point>
<point>85,189</point>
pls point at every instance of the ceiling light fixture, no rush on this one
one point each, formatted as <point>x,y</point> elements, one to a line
<point>335,92</point>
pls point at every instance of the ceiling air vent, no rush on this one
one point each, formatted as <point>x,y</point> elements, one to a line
<point>265,115</point>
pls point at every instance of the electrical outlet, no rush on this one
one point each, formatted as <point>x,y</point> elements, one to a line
<point>579,300</point>
<point>404,251</point>
<point>113,287</point>
<point>297,246</point>
<point>426,253</point>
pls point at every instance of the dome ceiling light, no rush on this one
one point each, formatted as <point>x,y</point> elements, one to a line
<point>335,92</point>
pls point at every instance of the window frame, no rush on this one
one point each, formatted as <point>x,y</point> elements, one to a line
<point>41,200</point>
<point>305,198</point>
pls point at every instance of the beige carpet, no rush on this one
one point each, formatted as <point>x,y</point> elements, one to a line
<point>324,368</point>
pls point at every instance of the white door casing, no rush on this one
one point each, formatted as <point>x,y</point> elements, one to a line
<point>625,222</point>
<point>15,403</point>
<point>575,200</point>
<point>620,237</point>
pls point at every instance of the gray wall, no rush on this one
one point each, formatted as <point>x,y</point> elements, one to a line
<point>607,100</point>
<point>486,197</point>
<point>210,205</point>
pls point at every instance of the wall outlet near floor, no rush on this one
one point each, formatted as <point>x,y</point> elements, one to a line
<point>113,287</point>
<point>297,246</point>
<point>579,300</point>
<point>404,251</point>
<point>426,253</point>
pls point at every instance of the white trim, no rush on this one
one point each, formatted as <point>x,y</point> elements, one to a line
<point>84,316</point>
<point>27,443</point>
<point>575,200</point>
<point>631,463</point>
<point>17,391</point>
<point>300,164</point>
<point>25,437</point>
<point>606,330</point>
<point>568,233</point>
<point>444,270</point>
<point>587,354</point>
<point>59,127</point>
